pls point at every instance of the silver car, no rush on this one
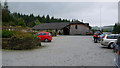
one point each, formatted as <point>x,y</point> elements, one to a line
<point>109,40</point>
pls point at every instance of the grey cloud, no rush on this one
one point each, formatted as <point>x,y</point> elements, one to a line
<point>89,11</point>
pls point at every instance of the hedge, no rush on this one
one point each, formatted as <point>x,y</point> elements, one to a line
<point>7,33</point>
<point>21,41</point>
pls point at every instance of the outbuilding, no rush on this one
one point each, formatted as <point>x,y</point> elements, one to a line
<point>66,28</point>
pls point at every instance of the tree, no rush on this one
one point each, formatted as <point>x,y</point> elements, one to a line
<point>43,19</point>
<point>59,20</point>
<point>116,29</point>
<point>37,22</point>
<point>47,19</point>
<point>0,13</point>
<point>32,18</point>
<point>6,5</point>
<point>31,24</point>
<point>19,19</point>
<point>6,15</point>
<point>21,22</point>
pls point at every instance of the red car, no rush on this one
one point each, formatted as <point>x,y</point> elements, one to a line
<point>44,36</point>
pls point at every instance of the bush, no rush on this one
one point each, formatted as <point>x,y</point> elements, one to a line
<point>52,32</point>
<point>0,33</point>
<point>7,33</point>
<point>116,29</point>
<point>19,34</point>
<point>21,41</point>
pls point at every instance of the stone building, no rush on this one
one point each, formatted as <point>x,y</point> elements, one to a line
<point>66,28</point>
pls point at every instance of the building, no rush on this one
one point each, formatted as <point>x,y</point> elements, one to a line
<point>95,28</point>
<point>66,28</point>
<point>108,28</point>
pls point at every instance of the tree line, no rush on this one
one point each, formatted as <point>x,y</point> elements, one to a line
<point>116,29</point>
<point>18,19</point>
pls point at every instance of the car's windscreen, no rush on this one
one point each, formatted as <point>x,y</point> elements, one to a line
<point>112,37</point>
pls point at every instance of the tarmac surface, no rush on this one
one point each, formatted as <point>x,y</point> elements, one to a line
<point>62,51</point>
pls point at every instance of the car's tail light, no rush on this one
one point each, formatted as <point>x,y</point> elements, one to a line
<point>104,36</point>
<point>102,39</point>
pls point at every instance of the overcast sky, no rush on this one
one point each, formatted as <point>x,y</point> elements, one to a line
<point>88,11</point>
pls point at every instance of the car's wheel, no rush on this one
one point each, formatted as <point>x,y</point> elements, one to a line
<point>111,46</point>
<point>46,40</point>
<point>49,40</point>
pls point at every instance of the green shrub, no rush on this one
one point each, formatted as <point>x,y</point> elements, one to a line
<point>0,33</point>
<point>52,32</point>
<point>5,43</point>
<point>7,33</point>
<point>21,41</point>
<point>19,34</point>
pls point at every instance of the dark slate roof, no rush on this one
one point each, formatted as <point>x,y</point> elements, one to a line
<point>45,26</point>
<point>60,25</point>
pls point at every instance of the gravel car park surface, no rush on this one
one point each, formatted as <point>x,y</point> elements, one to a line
<point>62,51</point>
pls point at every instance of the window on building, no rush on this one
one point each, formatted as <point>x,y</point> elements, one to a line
<point>76,27</point>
